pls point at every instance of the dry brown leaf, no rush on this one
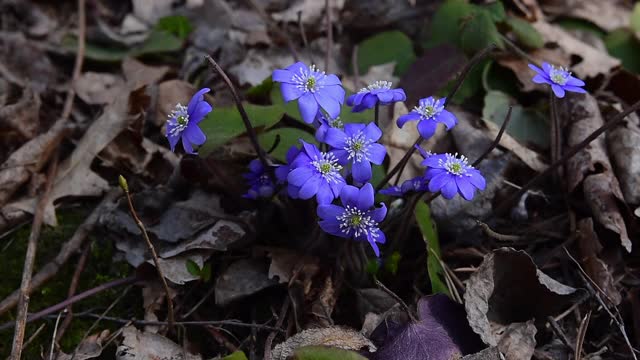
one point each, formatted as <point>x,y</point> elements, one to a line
<point>171,92</point>
<point>98,88</point>
<point>518,341</point>
<point>507,289</point>
<point>242,278</point>
<point>340,337</point>
<point>593,62</point>
<point>520,67</point>
<point>139,74</point>
<point>23,115</point>
<point>609,15</point>
<point>138,345</point>
<point>89,348</point>
<point>590,248</point>
<point>312,11</point>
<point>285,263</point>
<point>623,146</point>
<point>531,158</point>
<point>530,8</point>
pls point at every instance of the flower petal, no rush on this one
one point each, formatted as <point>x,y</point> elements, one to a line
<point>361,171</point>
<point>541,79</point>
<point>329,104</point>
<point>378,214</point>
<point>439,181</point>
<point>476,179</point>
<point>187,146</point>
<point>324,194</point>
<point>365,197</point>
<point>173,140</point>
<point>329,211</point>
<point>433,161</point>
<point>432,172</point>
<point>335,138</point>
<point>575,89</point>
<point>331,79</point>
<point>372,132</point>
<point>299,176</point>
<point>290,92</point>
<point>558,90</point>
<point>465,187</point>
<point>349,195</point>
<point>412,116</point>
<point>536,69</point>
<point>194,135</point>
<point>546,67</point>
<point>332,227</point>
<point>450,189</point>
<point>195,99</point>
<point>308,107</point>
<point>447,118</point>
<point>574,81</point>
<point>427,128</point>
<point>282,76</point>
<point>310,187</point>
<point>373,244</point>
<point>202,109</point>
<point>377,153</point>
<point>385,96</point>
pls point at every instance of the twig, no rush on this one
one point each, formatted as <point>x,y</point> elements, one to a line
<point>245,118</point>
<point>459,80</point>
<point>73,287</point>
<point>582,332</point>
<point>558,330</point>
<point>397,298</point>
<point>68,248</point>
<point>55,334</point>
<point>569,154</point>
<point>33,337</point>
<point>29,261</point>
<point>496,141</point>
<point>279,322</point>
<point>518,51</point>
<point>329,35</point>
<point>200,302</point>
<point>376,114</point>
<point>495,235</point>
<point>156,261</point>
<point>555,137</point>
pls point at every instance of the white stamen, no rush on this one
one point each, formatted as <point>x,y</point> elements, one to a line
<point>308,81</point>
<point>358,147</point>
<point>454,165</point>
<point>380,84</point>
<point>328,167</point>
<point>356,220</point>
<point>429,109</point>
<point>559,75</point>
<point>181,117</point>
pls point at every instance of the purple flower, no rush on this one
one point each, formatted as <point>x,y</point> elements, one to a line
<point>378,92</point>
<point>313,90</point>
<point>260,184</point>
<point>559,78</point>
<point>324,124</point>
<point>450,175</point>
<point>315,173</point>
<point>283,170</point>
<point>429,113</point>
<point>356,218</point>
<point>183,122</point>
<point>417,184</point>
<point>357,144</point>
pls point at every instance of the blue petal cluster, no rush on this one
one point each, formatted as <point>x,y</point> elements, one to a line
<point>451,175</point>
<point>259,181</point>
<point>357,145</point>
<point>429,113</point>
<point>559,78</point>
<point>183,123</point>
<point>380,92</point>
<point>417,184</point>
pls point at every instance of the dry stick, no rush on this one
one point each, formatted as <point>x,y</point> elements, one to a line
<point>558,330</point>
<point>156,261</point>
<point>55,334</point>
<point>30,258</point>
<point>555,138</point>
<point>329,35</point>
<point>463,74</point>
<point>569,154</point>
<point>33,337</point>
<point>582,332</point>
<point>245,118</point>
<point>279,322</point>
<point>73,287</point>
<point>397,298</point>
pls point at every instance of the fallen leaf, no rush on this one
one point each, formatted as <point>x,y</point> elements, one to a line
<point>521,70</point>
<point>89,348</point>
<point>609,15</point>
<point>623,148</point>
<point>139,74</point>
<point>311,11</point>
<point>241,279</point>
<point>593,61</point>
<point>590,248</point>
<point>26,63</point>
<point>23,116</point>
<point>373,301</point>
<point>338,337</point>
<point>258,65</point>
<point>508,289</point>
<point>98,88</point>
<point>285,263</point>
<point>531,158</point>
<point>375,73</point>
<point>491,353</point>
<point>150,11</point>
<point>518,341</point>
<point>175,269</point>
<point>138,345</point>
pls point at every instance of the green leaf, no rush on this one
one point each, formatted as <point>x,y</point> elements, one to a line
<point>95,52</point>
<point>391,265</point>
<point>237,355</point>
<point>205,273</point>
<point>225,123</point>
<point>635,18</point>
<point>580,24</point>
<point>193,268</point>
<point>495,10</point>
<point>373,266</point>
<point>325,353</point>
<point>446,23</point>
<point>525,125</point>
<point>478,32</point>
<point>264,89</point>
<point>625,46</point>
<point>471,85</point>
<point>527,35</point>
<point>290,108</point>
<point>430,237</point>
<point>177,25</point>
<point>157,42</point>
<point>288,137</point>
<point>384,48</point>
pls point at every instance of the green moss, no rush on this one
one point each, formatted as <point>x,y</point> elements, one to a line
<point>99,269</point>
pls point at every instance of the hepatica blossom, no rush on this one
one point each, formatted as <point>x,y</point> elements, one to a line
<point>417,184</point>
<point>356,218</point>
<point>315,173</point>
<point>260,184</point>
<point>378,92</point>
<point>357,145</point>
<point>429,113</point>
<point>325,123</point>
<point>452,175</point>
<point>183,123</point>
<point>559,78</point>
<point>312,88</point>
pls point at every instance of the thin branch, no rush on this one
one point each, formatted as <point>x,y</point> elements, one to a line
<point>376,114</point>
<point>29,261</point>
<point>496,141</point>
<point>73,287</point>
<point>329,49</point>
<point>569,154</point>
<point>397,298</point>
<point>154,255</point>
<point>279,322</point>
<point>245,118</point>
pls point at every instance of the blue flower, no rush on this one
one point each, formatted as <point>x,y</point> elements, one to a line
<point>356,218</point>
<point>357,144</point>
<point>315,173</point>
<point>324,124</point>
<point>183,123</point>
<point>559,78</point>
<point>429,113</point>
<point>260,184</point>
<point>313,90</point>
<point>378,92</point>
<point>282,171</point>
<point>451,174</point>
<point>417,184</point>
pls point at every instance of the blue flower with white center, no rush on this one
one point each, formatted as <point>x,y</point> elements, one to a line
<point>357,144</point>
<point>559,78</point>
<point>183,123</point>
<point>312,88</point>
<point>452,175</point>
<point>324,124</point>
<point>378,92</point>
<point>260,184</point>
<point>417,184</point>
<point>429,113</point>
<point>357,218</point>
<point>315,173</point>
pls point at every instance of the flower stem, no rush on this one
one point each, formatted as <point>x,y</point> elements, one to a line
<point>555,135</point>
<point>245,118</point>
<point>376,116</point>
